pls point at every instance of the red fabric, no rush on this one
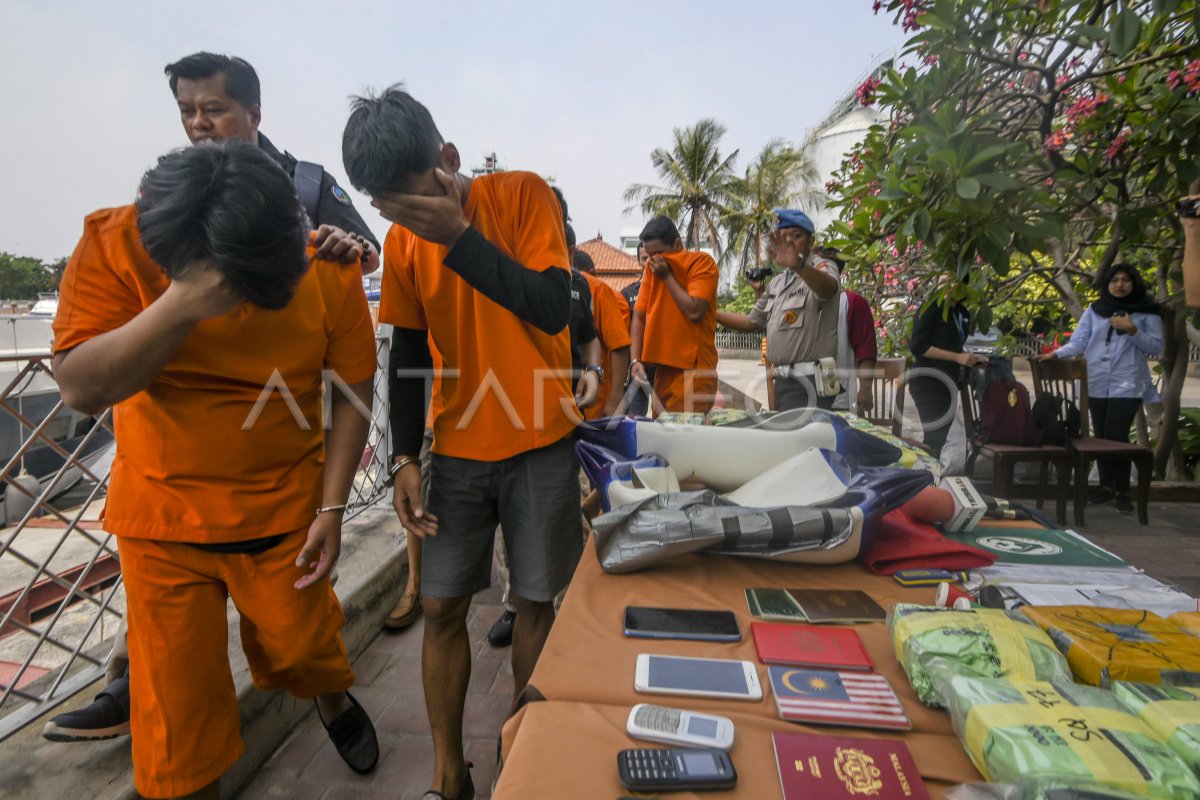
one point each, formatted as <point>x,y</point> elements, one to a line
<point>860,327</point>
<point>901,542</point>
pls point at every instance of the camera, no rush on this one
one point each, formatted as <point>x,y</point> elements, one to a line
<point>1189,207</point>
<point>760,274</point>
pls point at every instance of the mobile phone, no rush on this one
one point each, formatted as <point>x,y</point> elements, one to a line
<point>1189,207</point>
<point>928,577</point>
<point>679,727</point>
<point>697,677</point>
<point>674,769</point>
<point>681,623</point>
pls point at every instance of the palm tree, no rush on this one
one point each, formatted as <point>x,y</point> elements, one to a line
<point>699,183</point>
<point>780,177</point>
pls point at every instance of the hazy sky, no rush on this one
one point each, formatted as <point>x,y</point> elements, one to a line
<point>582,92</point>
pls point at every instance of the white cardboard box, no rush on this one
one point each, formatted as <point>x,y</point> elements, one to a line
<point>969,506</point>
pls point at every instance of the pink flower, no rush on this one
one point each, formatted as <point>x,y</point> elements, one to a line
<point>866,91</point>
<point>1049,182</point>
<point>1117,145</point>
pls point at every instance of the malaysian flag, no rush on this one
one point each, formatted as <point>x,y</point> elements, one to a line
<point>857,699</point>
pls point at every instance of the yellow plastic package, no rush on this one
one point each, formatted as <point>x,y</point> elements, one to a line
<point>934,643</point>
<point>1188,620</point>
<point>1103,645</point>
<point>1061,731</point>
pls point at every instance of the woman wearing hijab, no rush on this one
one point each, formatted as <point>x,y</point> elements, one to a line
<point>940,365</point>
<point>1116,334</point>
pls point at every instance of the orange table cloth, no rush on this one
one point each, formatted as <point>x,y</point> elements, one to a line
<point>569,744</point>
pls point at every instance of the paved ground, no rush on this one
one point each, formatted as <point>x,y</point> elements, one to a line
<point>389,687</point>
<point>390,679</point>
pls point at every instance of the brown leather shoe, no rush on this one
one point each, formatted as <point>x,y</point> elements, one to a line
<point>405,613</point>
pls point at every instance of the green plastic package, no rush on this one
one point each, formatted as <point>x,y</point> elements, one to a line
<point>1063,731</point>
<point>934,643</point>
<point>1039,790</point>
<point>1170,711</point>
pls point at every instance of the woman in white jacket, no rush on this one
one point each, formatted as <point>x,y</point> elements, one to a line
<point>1116,334</point>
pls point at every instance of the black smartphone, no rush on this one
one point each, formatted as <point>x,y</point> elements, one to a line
<point>681,623</point>
<point>671,769</point>
<point>1188,208</point>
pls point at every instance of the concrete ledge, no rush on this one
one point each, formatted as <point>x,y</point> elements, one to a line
<point>372,571</point>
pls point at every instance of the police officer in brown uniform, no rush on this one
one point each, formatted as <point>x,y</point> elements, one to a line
<point>799,312</point>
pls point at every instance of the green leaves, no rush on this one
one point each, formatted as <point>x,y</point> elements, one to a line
<point>1125,32</point>
<point>967,188</point>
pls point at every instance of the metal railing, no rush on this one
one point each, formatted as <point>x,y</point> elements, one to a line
<point>61,597</point>
<point>738,340</point>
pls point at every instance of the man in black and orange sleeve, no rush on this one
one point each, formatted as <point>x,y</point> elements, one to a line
<point>202,315</point>
<point>674,322</point>
<point>476,271</point>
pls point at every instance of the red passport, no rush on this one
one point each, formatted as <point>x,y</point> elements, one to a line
<point>809,646</point>
<point>831,767</point>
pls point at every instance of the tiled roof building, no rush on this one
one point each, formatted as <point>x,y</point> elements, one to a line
<point>613,266</point>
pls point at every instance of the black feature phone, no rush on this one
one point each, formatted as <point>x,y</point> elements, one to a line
<point>675,769</point>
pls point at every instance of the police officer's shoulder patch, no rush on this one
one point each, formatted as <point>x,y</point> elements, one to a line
<point>339,194</point>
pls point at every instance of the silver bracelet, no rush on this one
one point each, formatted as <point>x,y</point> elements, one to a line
<point>324,509</point>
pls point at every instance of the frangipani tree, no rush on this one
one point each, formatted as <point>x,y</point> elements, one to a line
<point>1033,143</point>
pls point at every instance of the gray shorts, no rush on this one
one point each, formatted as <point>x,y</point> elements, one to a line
<point>533,495</point>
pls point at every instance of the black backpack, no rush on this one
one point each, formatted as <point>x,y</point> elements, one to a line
<point>307,180</point>
<point>1057,420</point>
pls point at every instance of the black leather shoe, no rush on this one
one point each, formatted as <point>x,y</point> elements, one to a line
<point>467,792</point>
<point>501,633</point>
<point>1124,504</point>
<point>354,737</point>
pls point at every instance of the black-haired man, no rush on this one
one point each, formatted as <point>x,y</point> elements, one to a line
<point>477,269</point>
<point>219,98</point>
<point>178,311</point>
<point>674,322</point>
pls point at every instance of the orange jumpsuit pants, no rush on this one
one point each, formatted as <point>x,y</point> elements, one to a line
<point>184,711</point>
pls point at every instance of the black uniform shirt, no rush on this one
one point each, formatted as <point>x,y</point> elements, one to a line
<point>582,324</point>
<point>335,207</point>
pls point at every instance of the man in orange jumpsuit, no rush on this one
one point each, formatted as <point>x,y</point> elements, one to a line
<point>674,321</point>
<point>201,315</point>
<point>611,314</point>
<point>476,280</point>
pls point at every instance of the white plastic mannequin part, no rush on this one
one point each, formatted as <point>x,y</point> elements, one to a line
<point>724,458</point>
<point>808,479</point>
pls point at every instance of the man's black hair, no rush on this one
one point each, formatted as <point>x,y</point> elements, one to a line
<point>562,202</point>
<point>569,231</point>
<point>388,138</point>
<point>230,203</point>
<point>241,81</point>
<point>832,254</point>
<point>583,262</point>
<point>660,229</point>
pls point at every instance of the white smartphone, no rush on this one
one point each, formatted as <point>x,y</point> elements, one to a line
<point>697,677</point>
<point>676,726</point>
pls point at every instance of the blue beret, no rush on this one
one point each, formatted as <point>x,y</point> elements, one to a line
<point>790,218</point>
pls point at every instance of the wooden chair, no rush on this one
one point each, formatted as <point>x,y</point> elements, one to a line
<point>1005,458</point>
<point>887,394</point>
<point>1067,378</point>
